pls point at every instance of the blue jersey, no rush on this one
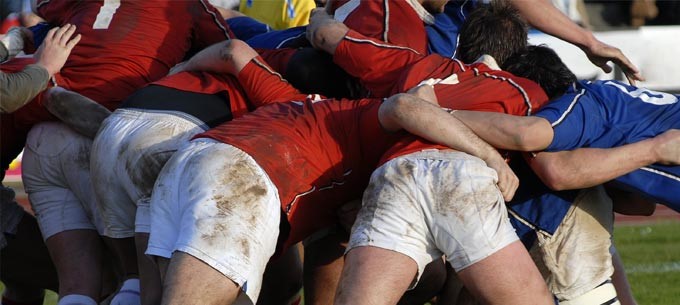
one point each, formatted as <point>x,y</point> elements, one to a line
<point>442,36</point>
<point>605,114</point>
<point>259,35</point>
<point>535,207</point>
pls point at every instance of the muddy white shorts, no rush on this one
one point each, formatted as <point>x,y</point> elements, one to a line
<point>576,259</point>
<point>433,203</point>
<point>56,176</point>
<point>128,153</point>
<point>215,203</point>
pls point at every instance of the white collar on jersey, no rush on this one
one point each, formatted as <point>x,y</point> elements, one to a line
<point>424,14</point>
<point>489,61</point>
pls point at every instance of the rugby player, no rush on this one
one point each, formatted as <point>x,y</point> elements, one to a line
<point>600,114</point>
<point>126,37</point>
<point>221,244</point>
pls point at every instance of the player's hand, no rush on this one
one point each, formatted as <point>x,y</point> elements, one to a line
<point>56,48</point>
<point>324,32</point>
<point>668,147</point>
<point>601,53</point>
<point>507,180</point>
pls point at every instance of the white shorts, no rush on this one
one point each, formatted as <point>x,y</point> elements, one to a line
<point>56,176</point>
<point>576,259</point>
<point>128,153</point>
<point>10,214</point>
<point>433,203</point>
<point>215,203</point>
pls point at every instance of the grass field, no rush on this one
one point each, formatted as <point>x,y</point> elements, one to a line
<point>651,254</point>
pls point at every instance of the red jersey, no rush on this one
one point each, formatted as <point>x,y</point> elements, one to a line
<point>386,69</point>
<point>126,44</point>
<point>473,87</point>
<point>398,22</point>
<point>319,154</point>
<point>129,43</point>
<point>252,76</point>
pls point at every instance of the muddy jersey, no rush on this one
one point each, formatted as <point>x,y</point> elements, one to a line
<point>398,22</point>
<point>318,153</point>
<point>127,43</point>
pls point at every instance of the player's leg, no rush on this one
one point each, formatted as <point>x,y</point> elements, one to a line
<point>144,140</point>
<point>373,275</point>
<point>215,214</point>
<point>390,244</point>
<point>27,269</point>
<point>620,280</point>
<point>469,223</point>
<point>56,177</point>
<point>577,255</point>
<point>282,280</point>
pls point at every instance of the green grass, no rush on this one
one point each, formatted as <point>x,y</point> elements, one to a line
<point>651,254</point>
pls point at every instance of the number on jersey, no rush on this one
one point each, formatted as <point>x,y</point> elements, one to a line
<point>646,95</point>
<point>105,15</point>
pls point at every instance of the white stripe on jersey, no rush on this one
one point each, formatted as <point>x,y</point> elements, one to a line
<point>332,185</point>
<point>205,6</point>
<point>343,11</point>
<point>571,107</point>
<point>527,101</point>
<point>288,39</point>
<point>381,45</point>
<point>264,66</point>
<point>386,22</point>
<point>661,173</point>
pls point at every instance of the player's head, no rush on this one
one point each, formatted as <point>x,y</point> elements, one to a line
<point>495,29</point>
<point>312,71</point>
<point>434,6</point>
<point>542,65</point>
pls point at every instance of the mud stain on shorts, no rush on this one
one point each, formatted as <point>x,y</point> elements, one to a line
<point>458,199</point>
<point>239,205</point>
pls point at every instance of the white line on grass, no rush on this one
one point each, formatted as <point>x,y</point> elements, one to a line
<point>654,268</point>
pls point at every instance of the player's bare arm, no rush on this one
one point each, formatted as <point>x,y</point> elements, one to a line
<point>546,17</point>
<point>79,112</point>
<point>422,118</point>
<point>510,132</point>
<point>229,56</point>
<point>587,167</point>
<point>324,32</point>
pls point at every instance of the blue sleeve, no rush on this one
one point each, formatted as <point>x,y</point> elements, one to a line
<point>245,27</point>
<point>39,32</point>
<point>278,39</point>
<point>575,121</point>
<point>442,36</point>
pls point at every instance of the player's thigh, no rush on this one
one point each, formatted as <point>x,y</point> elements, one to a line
<point>214,202</point>
<point>464,208</point>
<point>577,256</point>
<point>57,179</point>
<point>391,217</point>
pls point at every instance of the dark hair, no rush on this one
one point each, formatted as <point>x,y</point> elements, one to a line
<point>495,29</point>
<point>542,65</point>
<point>312,71</point>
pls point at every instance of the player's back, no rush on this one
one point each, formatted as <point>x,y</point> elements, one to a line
<point>638,113</point>
<point>398,22</point>
<point>318,153</point>
<point>127,44</point>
